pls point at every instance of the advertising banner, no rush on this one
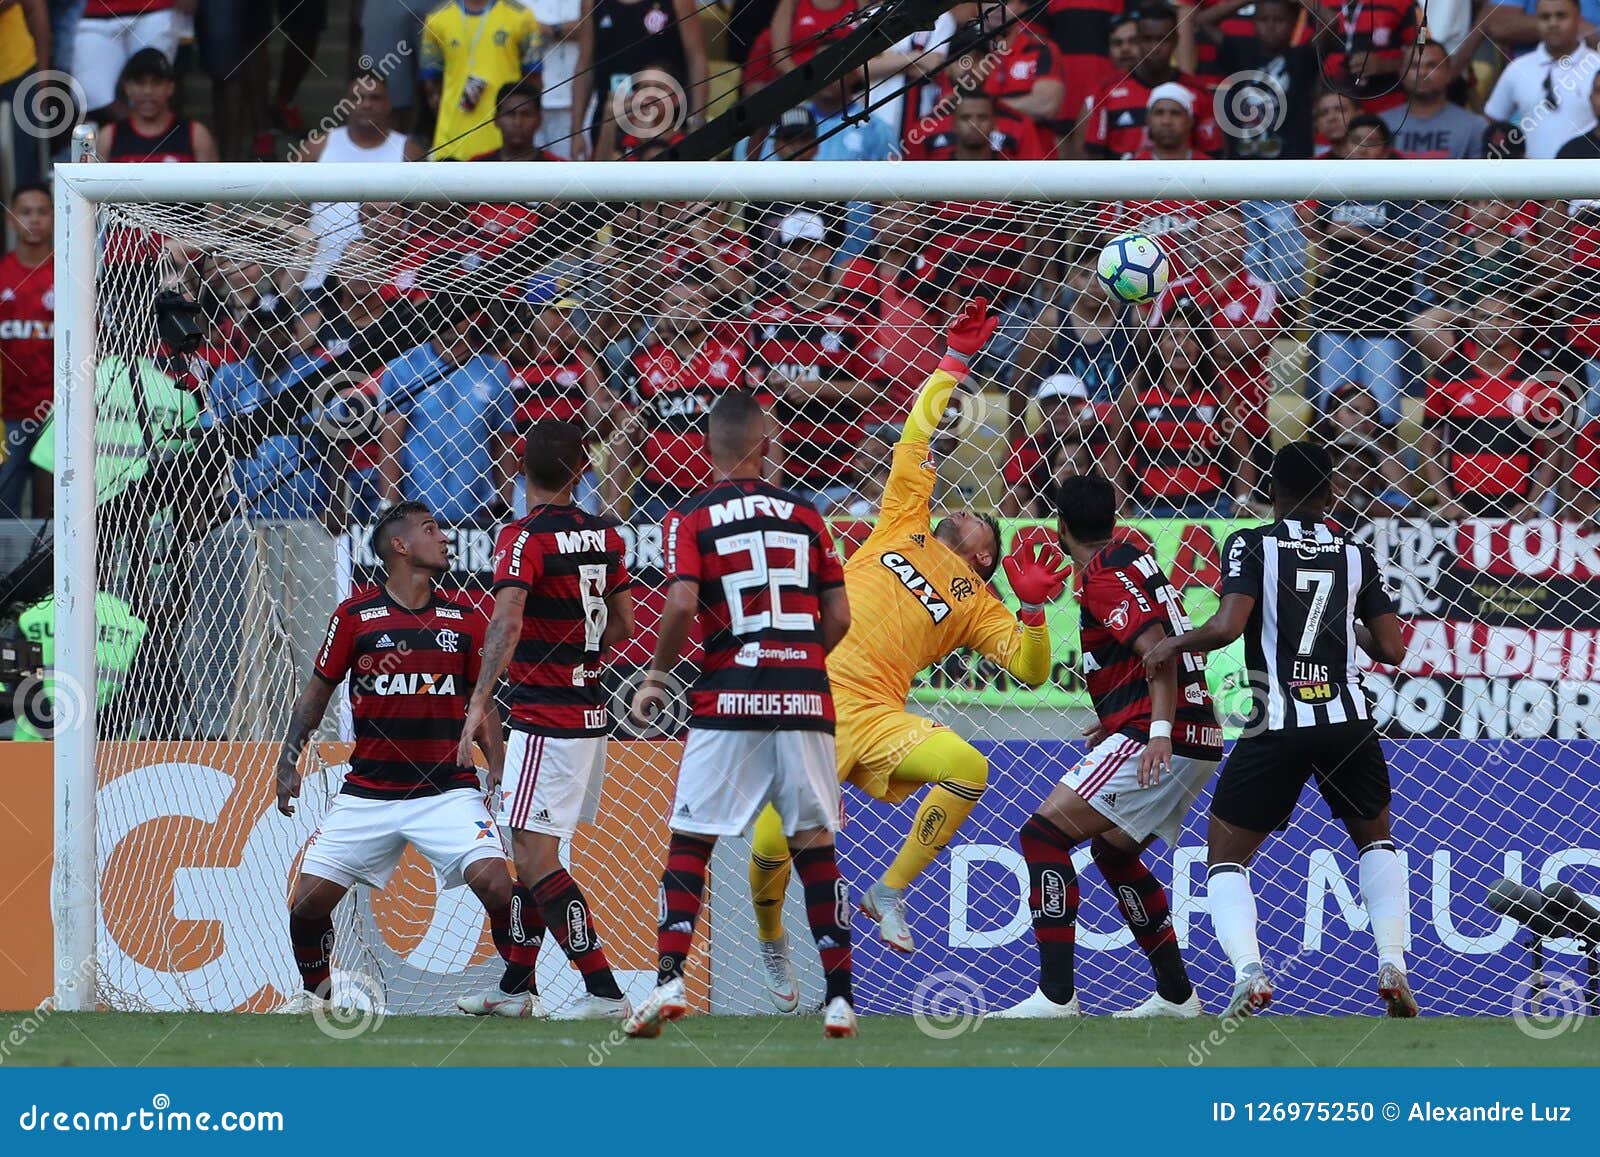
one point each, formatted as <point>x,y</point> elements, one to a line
<point>1466,815</point>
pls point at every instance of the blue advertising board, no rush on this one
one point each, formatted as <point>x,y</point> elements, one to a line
<point>1466,814</point>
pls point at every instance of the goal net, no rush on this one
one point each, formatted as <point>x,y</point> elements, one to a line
<point>1446,350</point>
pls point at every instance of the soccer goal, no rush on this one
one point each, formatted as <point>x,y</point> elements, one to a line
<point>240,393</point>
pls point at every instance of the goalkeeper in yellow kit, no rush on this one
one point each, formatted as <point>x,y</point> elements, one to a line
<point>917,593</point>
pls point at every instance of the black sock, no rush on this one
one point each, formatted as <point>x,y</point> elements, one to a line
<point>1145,908</point>
<point>828,911</point>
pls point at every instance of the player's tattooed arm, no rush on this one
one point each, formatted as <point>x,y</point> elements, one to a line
<point>505,627</point>
<point>303,720</point>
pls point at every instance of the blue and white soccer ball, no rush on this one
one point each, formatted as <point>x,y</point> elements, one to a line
<point>1133,268</point>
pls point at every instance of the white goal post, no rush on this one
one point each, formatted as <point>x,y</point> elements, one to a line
<point>85,191</point>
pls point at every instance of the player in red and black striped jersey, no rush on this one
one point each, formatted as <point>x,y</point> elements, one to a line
<point>811,340</point>
<point>412,657</point>
<point>1155,744</point>
<point>562,599</point>
<point>754,565</point>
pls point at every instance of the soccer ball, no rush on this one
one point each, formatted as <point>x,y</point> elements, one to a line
<point>1133,268</point>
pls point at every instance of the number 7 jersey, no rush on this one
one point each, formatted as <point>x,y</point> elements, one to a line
<point>569,562</point>
<point>1310,585</point>
<point>762,558</point>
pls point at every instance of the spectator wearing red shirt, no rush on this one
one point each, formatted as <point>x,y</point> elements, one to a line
<point>1025,75</point>
<point>812,341</point>
<point>27,347</point>
<point>1175,439</point>
<point>803,28</point>
<point>1074,437</point>
<point>554,376</point>
<point>1490,435</point>
<point>971,125</point>
<point>1242,316</point>
<point>1364,45</point>
<point>677,373</point>
<point>1225,31</point>
<point>1117,126</point>
<point>1080,108</point>
<point>1582,485</point>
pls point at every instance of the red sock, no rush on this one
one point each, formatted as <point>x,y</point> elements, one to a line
<point>1053,903</point>
<point>518,932</point>
<point>312,941</point>
<point>683,885</point>
<point>566,915</point>
<point>828,911</point>
<point>1148,914</point>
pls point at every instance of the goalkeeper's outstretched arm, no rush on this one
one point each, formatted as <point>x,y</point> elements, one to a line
<point>966,336</point>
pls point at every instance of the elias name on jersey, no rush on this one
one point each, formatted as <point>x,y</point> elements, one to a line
<point>912,579</point>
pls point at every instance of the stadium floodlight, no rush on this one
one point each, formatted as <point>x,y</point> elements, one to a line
<point>170,866</point>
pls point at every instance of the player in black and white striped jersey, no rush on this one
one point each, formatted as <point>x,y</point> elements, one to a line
<point>1304,597</point>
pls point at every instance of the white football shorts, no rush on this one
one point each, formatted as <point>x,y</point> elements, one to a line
<point>726,777</point>
<point>1107,779</point>
<point>360,840</point>
<point>551,784</point>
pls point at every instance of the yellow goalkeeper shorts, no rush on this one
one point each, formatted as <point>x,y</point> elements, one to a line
<point>872,741</point>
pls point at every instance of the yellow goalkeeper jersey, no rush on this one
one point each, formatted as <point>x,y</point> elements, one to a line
<point>913,600</point>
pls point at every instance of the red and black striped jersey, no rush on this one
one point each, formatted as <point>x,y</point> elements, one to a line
<point>762,556</point>
<point>1489,428</point>
<point>569,562</point>
<point>1177,437</point>
<point>1114,118</point>
<point>550,386</point>
<point>984,244</point>
<point>675,393</point>
<point>1120,594</point>
<point>411,673</point>
<point>831,342</point>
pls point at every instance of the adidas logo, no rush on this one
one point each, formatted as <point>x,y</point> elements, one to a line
<point>683,810</point>
<point>383,641</point>
<point>542,816</point>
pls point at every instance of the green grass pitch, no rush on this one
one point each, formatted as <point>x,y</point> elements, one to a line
<point>130,1039</point>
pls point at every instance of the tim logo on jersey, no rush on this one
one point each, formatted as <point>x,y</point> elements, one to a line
<point>912,579</point>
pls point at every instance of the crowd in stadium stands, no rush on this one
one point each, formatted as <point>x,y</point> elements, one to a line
<point>1449,352</point>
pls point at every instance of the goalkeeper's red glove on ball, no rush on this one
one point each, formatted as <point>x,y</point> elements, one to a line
<point>1038,573</point>
<point>967,334</point>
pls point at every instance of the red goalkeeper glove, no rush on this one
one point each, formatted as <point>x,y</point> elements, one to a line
<point>1038,574</point>
<point>967,334</point>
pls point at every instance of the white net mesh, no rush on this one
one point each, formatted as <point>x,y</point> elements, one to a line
<point>1444,350</point>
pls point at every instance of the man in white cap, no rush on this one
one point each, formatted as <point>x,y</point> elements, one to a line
<point>1073,437</point>
<point>1169,124</point>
